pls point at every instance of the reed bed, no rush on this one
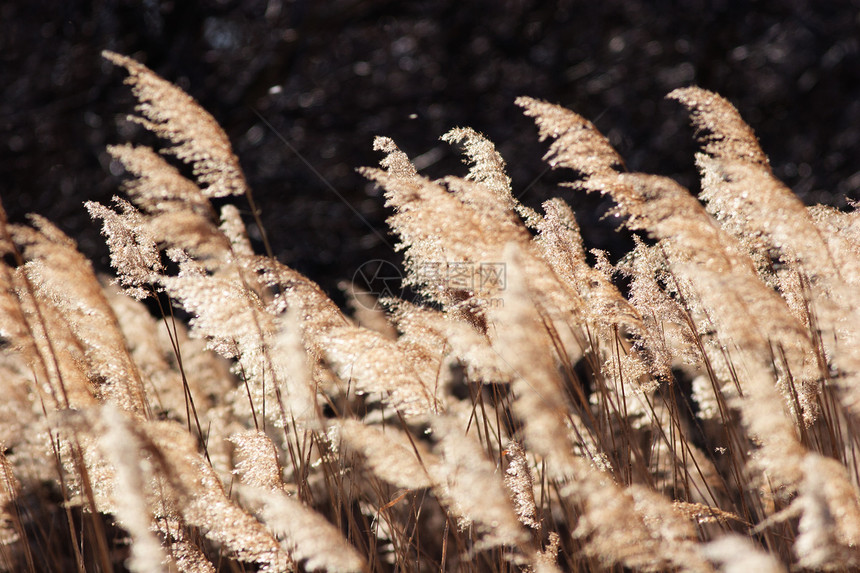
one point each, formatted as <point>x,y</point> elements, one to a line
<point>522,413</point>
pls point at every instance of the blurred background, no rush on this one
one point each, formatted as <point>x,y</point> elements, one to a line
<point>327,76</point>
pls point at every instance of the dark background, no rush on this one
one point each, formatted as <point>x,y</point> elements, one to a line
<point>329,75</point>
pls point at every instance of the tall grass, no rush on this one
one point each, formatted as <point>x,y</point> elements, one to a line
<point>523,414</point>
